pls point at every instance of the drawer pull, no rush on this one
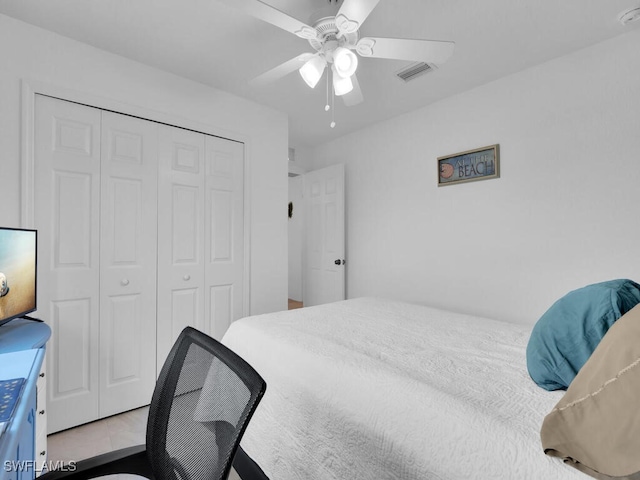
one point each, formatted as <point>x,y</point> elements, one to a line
<point>43,452</point>
<point>41,375</point>
<point>41,412</point>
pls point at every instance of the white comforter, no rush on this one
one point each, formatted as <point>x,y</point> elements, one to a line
<point>372,389</point>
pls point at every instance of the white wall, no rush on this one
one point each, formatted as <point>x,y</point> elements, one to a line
<point>36,55</point>
<point>296,224</point>
<point>304,158</point>
<point>565,212</point>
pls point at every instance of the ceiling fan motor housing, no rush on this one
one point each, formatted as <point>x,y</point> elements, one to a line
<point>329,38</point>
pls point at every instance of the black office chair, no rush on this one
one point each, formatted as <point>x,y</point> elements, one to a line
<point>200,408</point>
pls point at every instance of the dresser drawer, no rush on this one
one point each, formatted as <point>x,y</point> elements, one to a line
<point>40,444</point>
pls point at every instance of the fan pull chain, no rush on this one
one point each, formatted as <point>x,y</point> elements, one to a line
<point>327,107</point>
<point>333,104</point>
<point>333,98</point>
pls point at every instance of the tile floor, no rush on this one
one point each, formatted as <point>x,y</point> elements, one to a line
<point>103,436</point>
<point>95,438</point>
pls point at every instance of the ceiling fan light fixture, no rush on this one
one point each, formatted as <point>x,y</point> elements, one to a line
<point>341,85</point>
<point>345,62</point>
<point>312,71</point>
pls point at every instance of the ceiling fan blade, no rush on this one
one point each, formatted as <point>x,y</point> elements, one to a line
<point>281,70</point>
<point>354,97</point>
<point>428,51</point>
<point>352,13</point>
<point>269,14</point>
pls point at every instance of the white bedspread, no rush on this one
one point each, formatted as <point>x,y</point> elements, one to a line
<point>372,389</point>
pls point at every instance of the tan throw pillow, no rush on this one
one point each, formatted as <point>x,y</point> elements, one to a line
<point>596,426</point>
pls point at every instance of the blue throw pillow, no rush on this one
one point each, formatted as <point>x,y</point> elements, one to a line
<point>566,335</point>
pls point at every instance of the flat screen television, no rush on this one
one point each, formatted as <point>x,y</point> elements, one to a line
<point>18,261</point>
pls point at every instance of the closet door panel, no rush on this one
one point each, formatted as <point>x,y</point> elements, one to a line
<point>128,258</point>
<point>72,344</point>
<point>224,234</point>
<point>186,246</point>
<point>180,235</point>
<point>67,216</point>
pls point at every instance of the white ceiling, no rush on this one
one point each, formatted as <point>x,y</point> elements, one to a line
<point>211,42</point>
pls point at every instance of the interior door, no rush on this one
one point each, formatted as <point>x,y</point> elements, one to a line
<point>224,234</point>
<point>67,216</point>
<point>324,257</point>
<point>180,235</point>
<point>128,256</point>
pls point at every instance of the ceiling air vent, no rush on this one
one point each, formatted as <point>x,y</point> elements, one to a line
<point>414,71</point>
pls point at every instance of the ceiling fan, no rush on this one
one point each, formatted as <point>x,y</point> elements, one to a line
<point>334,40</point>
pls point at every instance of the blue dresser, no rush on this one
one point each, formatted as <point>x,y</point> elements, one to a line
<point>22,349</point>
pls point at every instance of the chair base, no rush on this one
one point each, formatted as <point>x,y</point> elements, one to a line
<point>132,460</point>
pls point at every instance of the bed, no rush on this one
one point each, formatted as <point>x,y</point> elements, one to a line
<point>376,389</point>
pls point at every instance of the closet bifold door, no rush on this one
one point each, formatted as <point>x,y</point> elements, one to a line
<point>128,258</point>
<point>140,233</point>
<point>96,215</point>
<point>200,234</point>
<point>67,216</point>
<point>180,235</point>
<point>224,236</point>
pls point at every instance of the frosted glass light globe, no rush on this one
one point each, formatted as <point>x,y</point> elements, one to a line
<point>345,61</point>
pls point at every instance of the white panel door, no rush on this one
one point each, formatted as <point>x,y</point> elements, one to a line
<point>67,216</point>
<point>324,268</point>
<point>224,234</point>
<point>128,256</point>
<point>181,193</point>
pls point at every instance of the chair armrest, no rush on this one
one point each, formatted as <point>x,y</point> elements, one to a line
<point>244,465</point>
<point>131,460</point>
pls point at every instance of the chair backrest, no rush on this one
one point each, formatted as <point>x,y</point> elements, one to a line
<point>202,403</point>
